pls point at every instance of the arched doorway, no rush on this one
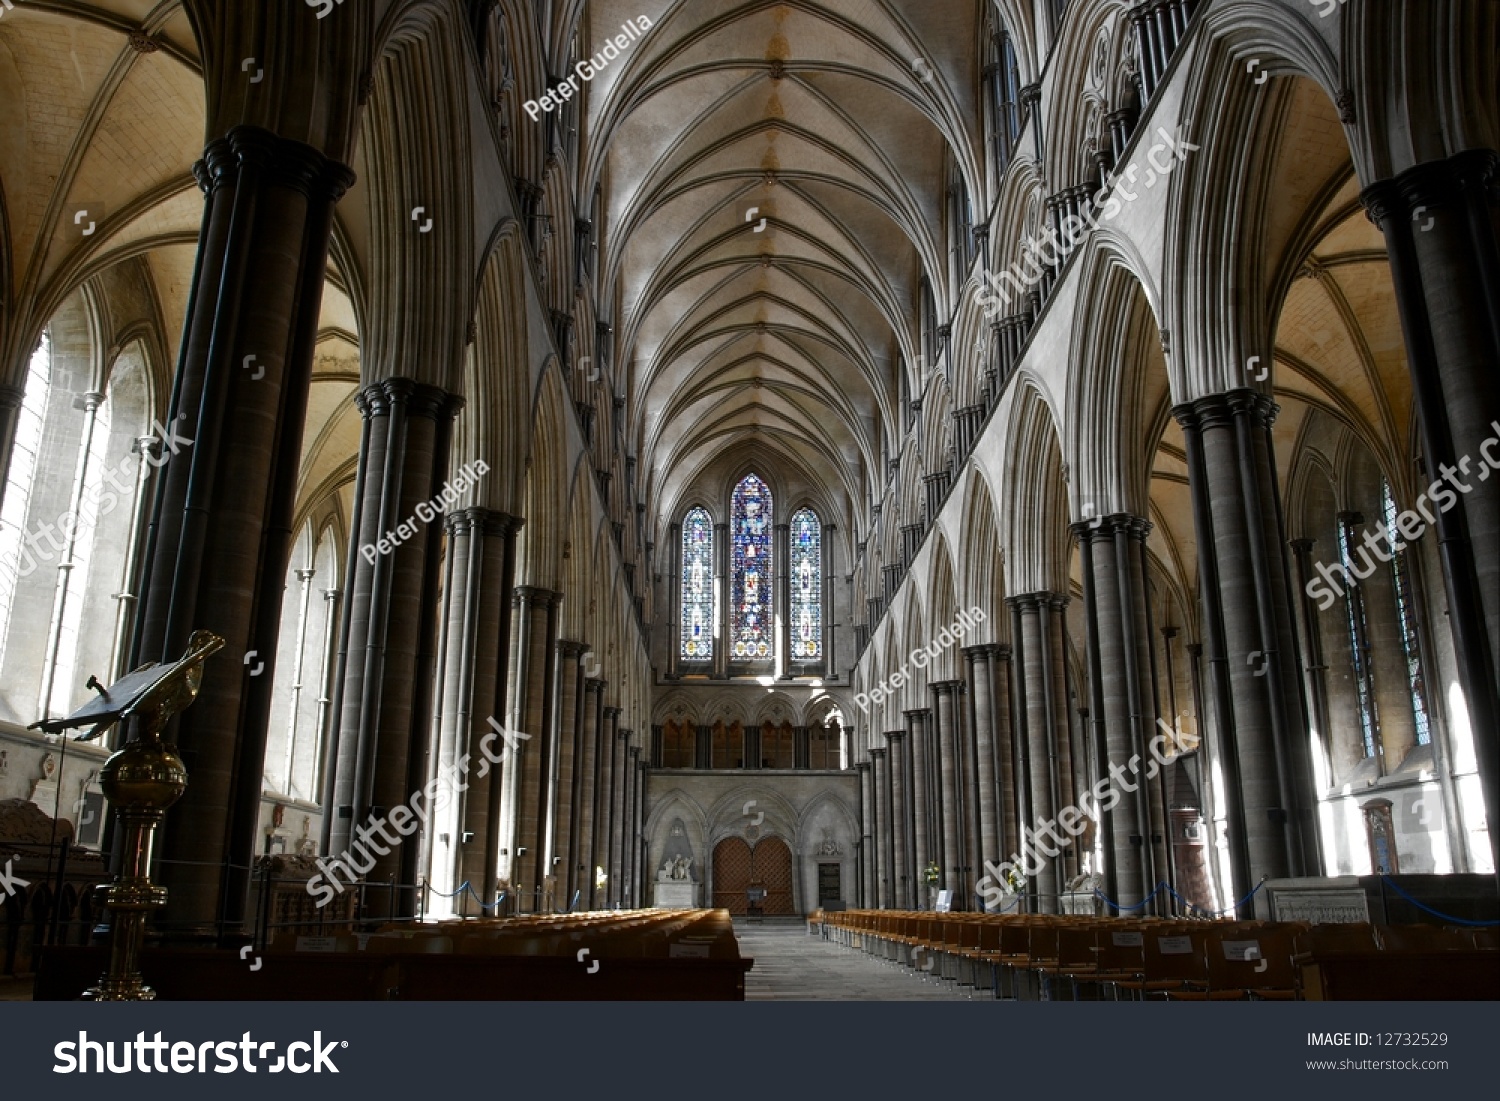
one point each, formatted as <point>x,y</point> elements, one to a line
<point>738,867</point>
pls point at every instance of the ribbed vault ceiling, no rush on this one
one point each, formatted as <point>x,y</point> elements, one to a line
<point>815,118</point>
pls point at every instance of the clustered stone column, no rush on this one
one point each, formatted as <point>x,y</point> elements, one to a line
<point>900,823</point>
<point>1250,639</point>
<point>981,678</point>
<point>526,769</point>
<point>1113,555</point>
<point>880,778</point>
<point>480,568</point>
<point>923,834</point>
<point>604,790</point>
<point>1045,762</point>
<point>1440,223</point>
<point>562,817</point>
<point>946,712</point>
<point>218,545</point>
<point>869,894</point>
<point>581,880</point>
<point>385,668</point>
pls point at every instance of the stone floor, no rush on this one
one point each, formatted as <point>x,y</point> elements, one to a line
<point>792,966</point>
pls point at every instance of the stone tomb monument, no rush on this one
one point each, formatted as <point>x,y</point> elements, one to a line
<point>677,886</point>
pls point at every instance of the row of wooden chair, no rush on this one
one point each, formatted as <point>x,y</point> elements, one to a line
<point>1047,957</point>
<point>637,934</point>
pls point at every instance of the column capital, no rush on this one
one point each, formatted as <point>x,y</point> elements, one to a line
<point>864,766</point>
<point>420,399</point>
<point>595,684</point>
<point>625,734</point>
<point>482,521</point>
<point>877,752</point>
<point>943,687</point>
<point>974,653</point>
<point>1107,527</point>
<point>1030,602</point>
<point>1000,651</point>
<point>918,714</point>
<point>612,712</point>
<point>1301,546</point>
<point>895,735</point>
<point>534,595</point>
<point>570,649</point>
<point>1218,410</point>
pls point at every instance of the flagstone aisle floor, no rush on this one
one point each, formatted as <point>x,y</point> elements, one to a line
<point>792,966</point>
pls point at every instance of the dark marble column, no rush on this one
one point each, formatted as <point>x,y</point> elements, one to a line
<point>1440,223</point>
<point>1043,729</point>
<point>981,677</point>
<point>217,547</point>
<point>385,670</point>
<point>884,833</point>
<point>946,711</point>
<point>630,857</point>
<point>1111,551</point>
<point>900,829</point>
<point>604,800</point>
<point>619,819</point>
<point>527,772</point>
<point>1007,821</point>
<point>869,897</point>
<point>563,806</point>
<point>917,722</point>
<point>582,877</point>
<point>481,562</point>
<point>1250,636</point>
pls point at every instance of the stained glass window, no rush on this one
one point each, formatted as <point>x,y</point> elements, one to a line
<point>751,622</point>
<point>806,580</point>
<point>697,586</point>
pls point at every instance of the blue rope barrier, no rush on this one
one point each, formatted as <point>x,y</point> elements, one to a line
<point>576,896</point>
<point>1393,885</point>
<point>1122,909</point>
<point>466,887</point>
<point>1192,906</point>
<point>1215,913</point>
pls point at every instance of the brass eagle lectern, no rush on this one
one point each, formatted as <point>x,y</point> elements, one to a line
<point>141,781</point>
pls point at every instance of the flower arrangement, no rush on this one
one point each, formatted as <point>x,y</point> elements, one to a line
<point>931,873</point>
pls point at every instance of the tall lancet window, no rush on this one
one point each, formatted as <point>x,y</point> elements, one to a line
<point>697,586</point>
<point>806,578</point>
<point>751,622</point>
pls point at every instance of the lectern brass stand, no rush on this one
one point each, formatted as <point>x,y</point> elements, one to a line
<point>141,781</point>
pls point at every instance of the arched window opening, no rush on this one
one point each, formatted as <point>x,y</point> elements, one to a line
<point>751,623</point>
<point>1406,618</point>
<point>697,586</point>
<point>301,689</point>
<point>1359,633</point>
<point>16,562</point>
<point>807,586</point>
<point>71,510</point>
